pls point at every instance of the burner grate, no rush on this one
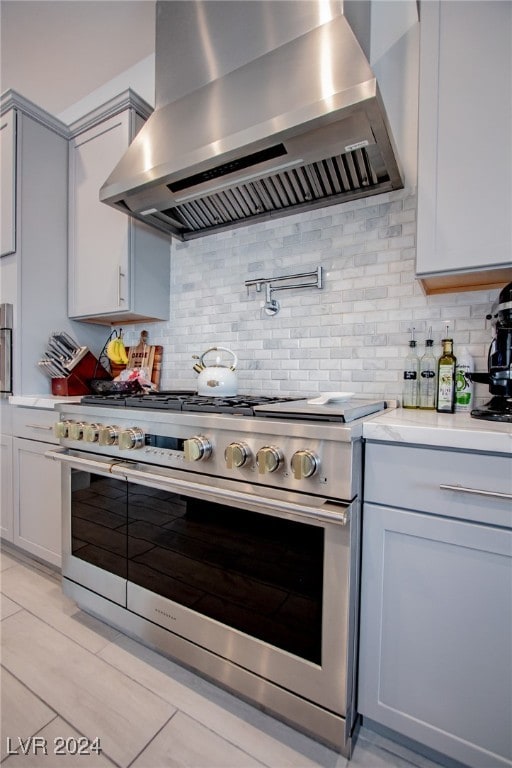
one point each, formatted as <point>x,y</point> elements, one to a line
<point>162,401</point>
<point>240,404</point>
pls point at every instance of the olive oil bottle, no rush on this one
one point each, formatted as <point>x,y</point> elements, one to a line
<point>446,366</point>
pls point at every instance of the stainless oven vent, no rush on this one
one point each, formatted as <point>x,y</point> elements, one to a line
<point>302,125</point>
<point>349,175</point>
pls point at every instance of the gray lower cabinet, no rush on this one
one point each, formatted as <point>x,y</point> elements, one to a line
<point>436,605</point>
<point>37,486</point>
<point>6,508</point>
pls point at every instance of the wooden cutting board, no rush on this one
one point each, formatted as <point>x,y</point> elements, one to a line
<point>141,356</point>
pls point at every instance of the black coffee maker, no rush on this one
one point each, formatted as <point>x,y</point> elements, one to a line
<point>499,375</point>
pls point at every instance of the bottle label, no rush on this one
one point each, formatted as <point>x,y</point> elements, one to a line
<point>410,375</point>
<point>428,374</point>
<point>445,392</point>
<point>463,387</point>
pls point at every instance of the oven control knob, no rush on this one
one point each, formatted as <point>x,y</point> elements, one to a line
<point>91,433</point>
<point>197,448</point>
<point>304,464</point>
<point>108,435</point>
<point>131,438</point>
<point>236,455</point>
<point>61,428</point>
<point>76,430</point>
<point>268,459</point>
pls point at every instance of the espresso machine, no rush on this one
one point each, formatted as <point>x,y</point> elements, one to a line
<point>499,374</point>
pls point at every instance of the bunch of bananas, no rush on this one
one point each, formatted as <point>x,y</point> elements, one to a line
<point>116,351</point>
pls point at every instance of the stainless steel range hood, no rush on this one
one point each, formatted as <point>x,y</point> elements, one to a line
<point>301,126</point>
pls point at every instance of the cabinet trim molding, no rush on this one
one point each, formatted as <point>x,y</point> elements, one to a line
<point>13,100</point>
<point>126,100</point>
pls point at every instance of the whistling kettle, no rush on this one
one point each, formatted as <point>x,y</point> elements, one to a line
<point>216,380</point>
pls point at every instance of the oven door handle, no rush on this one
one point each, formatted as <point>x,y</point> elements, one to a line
<point>103,465</point>
<point>327,512</point>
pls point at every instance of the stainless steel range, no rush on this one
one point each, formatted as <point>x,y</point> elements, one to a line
<point>225,533</point>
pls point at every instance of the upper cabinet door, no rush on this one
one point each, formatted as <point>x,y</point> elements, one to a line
<point>8,182</point>
<point>99,235</point>
<point>119,269</point>
<point>465,145</point>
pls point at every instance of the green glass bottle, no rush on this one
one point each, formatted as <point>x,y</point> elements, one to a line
<point>446,378</point>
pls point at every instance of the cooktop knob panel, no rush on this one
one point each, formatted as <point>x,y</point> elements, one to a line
<point>131,438</point>
<point>304,464</point>
<point>236,455</point>
<point>268,459</point>
<point>197,448</point>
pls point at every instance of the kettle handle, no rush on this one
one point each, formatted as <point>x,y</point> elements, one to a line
<point>220,349</point>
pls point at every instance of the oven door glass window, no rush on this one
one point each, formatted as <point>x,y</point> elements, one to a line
<point>98,521</point>
<point>253,572</point>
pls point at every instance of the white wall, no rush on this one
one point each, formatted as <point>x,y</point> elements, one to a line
<point>140,78</point>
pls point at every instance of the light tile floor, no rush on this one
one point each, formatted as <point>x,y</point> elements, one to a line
<point>68,678</point>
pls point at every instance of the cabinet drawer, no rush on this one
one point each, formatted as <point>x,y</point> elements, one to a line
<point>35,424</point>
<point>452,483</point>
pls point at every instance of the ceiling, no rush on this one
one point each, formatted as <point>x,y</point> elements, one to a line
<point>56,52</point>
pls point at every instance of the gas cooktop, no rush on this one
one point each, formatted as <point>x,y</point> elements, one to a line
<point>239,405</point>
<point>184,401</point>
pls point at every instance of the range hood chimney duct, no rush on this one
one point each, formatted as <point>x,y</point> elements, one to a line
<point>300,125</point>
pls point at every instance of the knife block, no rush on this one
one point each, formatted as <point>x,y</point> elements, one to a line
<point>78,380</point>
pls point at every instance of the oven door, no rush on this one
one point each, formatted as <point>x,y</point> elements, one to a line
<point>94,522</point>
<point>264,582</point>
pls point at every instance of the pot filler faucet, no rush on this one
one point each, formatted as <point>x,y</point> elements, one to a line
<point>271,306</point>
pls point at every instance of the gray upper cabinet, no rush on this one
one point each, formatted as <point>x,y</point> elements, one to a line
<point>8,182</point>
<point>465,145</point>
<point>119,269</point>
<point>33,270</point>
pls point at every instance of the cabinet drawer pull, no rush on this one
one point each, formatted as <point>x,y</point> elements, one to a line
<point>39,426</point>
<point>476,491</point>
<point>120,275</point>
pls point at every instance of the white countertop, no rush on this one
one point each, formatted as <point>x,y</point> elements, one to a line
<point>42,401</point>
<point>443,430</point>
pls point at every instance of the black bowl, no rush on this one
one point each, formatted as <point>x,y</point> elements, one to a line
<point>104,386</point>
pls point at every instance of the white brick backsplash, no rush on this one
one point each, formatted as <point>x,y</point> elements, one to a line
<point>352,334</point>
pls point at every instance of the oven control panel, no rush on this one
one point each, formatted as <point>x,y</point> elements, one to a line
<point>279,460</point>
